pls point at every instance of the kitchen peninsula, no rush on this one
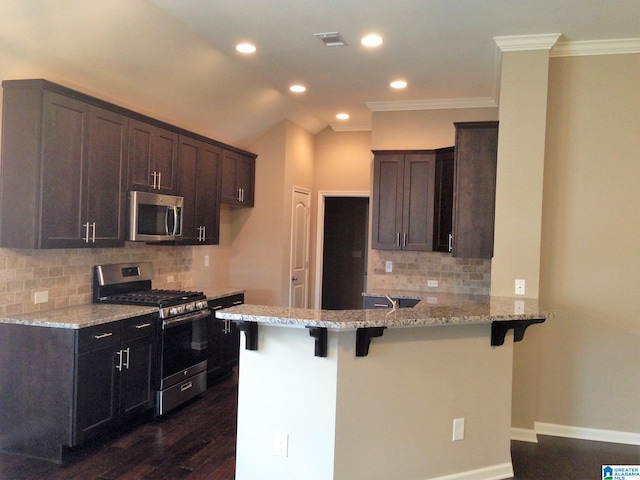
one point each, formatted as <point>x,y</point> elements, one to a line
<point>373,394</point>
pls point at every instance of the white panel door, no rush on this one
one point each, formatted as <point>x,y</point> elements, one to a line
<point>298,293</point>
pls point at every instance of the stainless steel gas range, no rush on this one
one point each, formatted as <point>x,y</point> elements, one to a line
<point>181,363</point>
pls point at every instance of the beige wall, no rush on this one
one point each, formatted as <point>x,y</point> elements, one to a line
<point>590,353</point>
<point>422,129</point>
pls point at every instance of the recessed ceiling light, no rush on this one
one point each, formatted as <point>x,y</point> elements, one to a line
<point>398,84</point>
<point>246,48</point>
<point>298,88</point>
<point>342,116</point>
<point>371,40</point>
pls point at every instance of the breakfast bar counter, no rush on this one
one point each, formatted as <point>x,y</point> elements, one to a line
<point>374,394</point>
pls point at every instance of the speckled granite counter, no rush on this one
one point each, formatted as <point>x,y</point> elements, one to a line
<point>214,293</point>
<point>80,316</point>
<point>433,309</point>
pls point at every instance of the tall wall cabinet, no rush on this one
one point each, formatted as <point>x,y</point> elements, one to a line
<point>69,160</point>
<point>476,154</point>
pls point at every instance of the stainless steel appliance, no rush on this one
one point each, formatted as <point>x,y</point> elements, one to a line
<point>154,217</point>
<point>181,360</point>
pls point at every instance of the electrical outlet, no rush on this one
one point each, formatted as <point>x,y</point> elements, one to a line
<point>206,260</point>
<point>41,297</point>
<point>458,429</point>
<point>432,283</point>
<point>280,444</point>
<point>518,307</point>
<point>388,266</point>
<point>520,286</point>
<point>170,278</point>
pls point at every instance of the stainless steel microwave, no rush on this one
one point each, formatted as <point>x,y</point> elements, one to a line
<point>154,217</point>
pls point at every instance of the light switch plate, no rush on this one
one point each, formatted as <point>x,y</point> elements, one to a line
<point>520,286</point>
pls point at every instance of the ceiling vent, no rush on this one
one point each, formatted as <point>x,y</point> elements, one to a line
<point>331,39</point>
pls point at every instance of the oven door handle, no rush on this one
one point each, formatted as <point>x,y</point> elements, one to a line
<point>190,317</point>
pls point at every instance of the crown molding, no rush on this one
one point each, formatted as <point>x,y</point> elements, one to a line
<point>526,42</point>
<point>437,104</point>
<point>596,47</point>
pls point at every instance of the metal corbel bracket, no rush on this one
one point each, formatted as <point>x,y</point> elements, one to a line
<point>250,330</point>
<point>320,334</point>
<point>499,329</point>
<point>363,339</point>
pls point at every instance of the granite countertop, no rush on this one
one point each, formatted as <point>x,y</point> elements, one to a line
<point>83,316</point>
<point>213,293</point>
<point>434,309</point>
<point>80,316</point>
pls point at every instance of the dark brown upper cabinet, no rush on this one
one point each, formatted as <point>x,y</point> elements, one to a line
<point>403,200</point>
<point>63,170</point>
<point>238,179</point>
<point>153,158</point>
<point>199,181</point>
<point>69,160</point>
<point>476,151</point>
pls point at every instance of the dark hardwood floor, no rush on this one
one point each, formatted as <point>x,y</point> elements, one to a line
<point>197,442</point>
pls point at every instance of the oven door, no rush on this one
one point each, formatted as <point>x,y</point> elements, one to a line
<point>183,347</point>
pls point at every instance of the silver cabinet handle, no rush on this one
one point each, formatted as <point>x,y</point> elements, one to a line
<point>86,231</point>
<point>450,242</point>
<point>237,302</point>
<point>186,386</point>
<point>143,325</point>
<point>153,176</point>
<point>204,233</point>
<point>93,232</point>
<point>398,240</point>
<point>404,240</point>
<point>159,180</point>
<point>239,194</point>
<point>125,364</point>
<point>119,366</point>
<point>103,335</point>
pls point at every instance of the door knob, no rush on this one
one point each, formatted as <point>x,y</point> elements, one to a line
<point>293,279</point>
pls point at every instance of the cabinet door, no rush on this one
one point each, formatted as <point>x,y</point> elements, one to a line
<point>96,406</point>
<point>443,204</point>
<point>136,377</point>
<point>238,179</point>
<point>65,134</point>
<point>215,349</point>
<point>417,208</point>
<point>387,201</point>
<point>106,170</point>
<point>166,160</point>
<point>198,182</point>
<point>140,156</point>
<point>153,154</point>
<point>475,189</point>
<point>187,176</point>
<point>208,193</point>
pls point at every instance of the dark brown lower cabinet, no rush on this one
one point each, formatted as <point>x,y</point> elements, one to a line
<point>61,387</point>
<point>223,341</point>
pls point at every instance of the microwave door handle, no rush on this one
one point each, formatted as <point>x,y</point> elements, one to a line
<point>175,220</point>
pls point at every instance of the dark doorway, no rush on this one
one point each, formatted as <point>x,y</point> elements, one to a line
<point>344,256</point>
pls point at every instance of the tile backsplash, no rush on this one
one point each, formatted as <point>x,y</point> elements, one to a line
<point>412,271</point>
<point>66,274</point>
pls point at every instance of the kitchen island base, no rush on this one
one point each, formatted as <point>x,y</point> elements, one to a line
<point>387,415</point>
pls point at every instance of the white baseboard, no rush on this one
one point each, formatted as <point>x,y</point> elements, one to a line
<point>611,436</point>
<point>494,472</point>
<point>524,435</point>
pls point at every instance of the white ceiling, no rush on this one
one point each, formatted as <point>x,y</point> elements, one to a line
<point>444,49</point>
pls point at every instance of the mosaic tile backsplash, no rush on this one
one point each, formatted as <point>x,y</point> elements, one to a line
<point>67,274</point>
<point>412,271</point>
